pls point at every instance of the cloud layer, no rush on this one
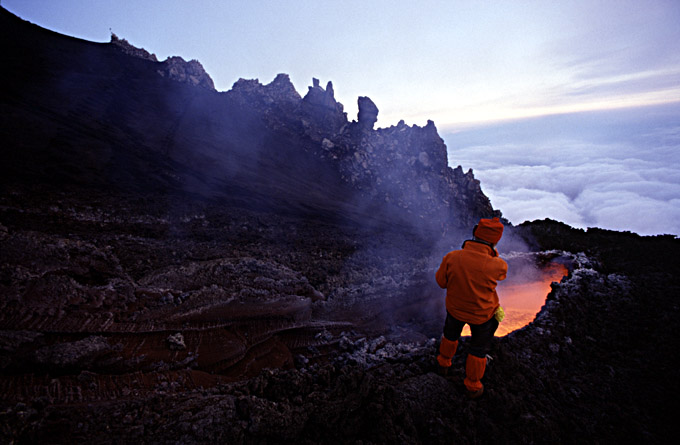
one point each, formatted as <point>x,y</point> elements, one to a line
<point>617,170</point>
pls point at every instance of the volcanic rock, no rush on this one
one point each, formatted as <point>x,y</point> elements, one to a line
<point>131,50</point>
<point>175,67</point>
<point>368,113</point>
<point>78,354</point>
<point>176,342</point>
<point>191,72</point>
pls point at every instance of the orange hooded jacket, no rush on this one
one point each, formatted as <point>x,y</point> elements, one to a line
<point>470,276</point>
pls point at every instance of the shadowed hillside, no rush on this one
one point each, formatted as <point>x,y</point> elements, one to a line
<point>92,114</point>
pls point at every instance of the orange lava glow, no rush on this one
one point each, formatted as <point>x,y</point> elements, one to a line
<point>521,301</point>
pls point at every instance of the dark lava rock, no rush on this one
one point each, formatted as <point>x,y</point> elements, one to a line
<point>131,50</point>
<point>368,113</point>
<point>175,67</point>
<point>190,72</point>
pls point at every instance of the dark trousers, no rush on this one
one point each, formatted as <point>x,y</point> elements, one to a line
<point>482,334</point>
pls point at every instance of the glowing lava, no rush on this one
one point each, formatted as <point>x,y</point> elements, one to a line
<point>522,300</point>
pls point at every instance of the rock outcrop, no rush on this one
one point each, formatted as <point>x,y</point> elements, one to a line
<point>368,113</point>
<point>190,72</point>
<point>279,95</point>
<point>402,168</point>
<point>175,68</point>
<point>322,99</point>
<point>131,50</point>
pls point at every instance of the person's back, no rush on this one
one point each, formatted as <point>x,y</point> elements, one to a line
<point>470,276</point>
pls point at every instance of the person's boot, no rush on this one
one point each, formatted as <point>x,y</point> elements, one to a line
<point>474,371</point>
<point>447,349</point>
<point>474,395</point>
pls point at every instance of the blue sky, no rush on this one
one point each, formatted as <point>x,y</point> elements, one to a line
<point>455,62</point>
<point>563,109</point>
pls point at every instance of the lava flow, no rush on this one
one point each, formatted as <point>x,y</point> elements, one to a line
<point>522,299</point>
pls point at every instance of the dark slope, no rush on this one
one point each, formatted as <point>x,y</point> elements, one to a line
<point>179,265</point>
<point>87,114</point>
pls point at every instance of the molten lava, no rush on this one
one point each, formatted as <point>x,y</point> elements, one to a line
<point>522,300</point>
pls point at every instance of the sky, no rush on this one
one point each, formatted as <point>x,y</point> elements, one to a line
<point>454,62</point>
<point>473,67</point>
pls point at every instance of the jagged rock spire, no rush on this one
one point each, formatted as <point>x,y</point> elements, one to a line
<point>368,113</point>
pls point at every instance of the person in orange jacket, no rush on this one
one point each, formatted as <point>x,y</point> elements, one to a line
<point>469,276</point>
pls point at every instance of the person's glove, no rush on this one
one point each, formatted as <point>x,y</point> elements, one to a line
<point>500,314</point>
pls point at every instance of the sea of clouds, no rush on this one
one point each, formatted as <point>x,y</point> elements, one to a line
<point>616,170</point>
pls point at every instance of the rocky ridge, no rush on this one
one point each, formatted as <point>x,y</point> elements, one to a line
<point>401,165</point>
<point>260,145</point>
<point>174,67</point>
